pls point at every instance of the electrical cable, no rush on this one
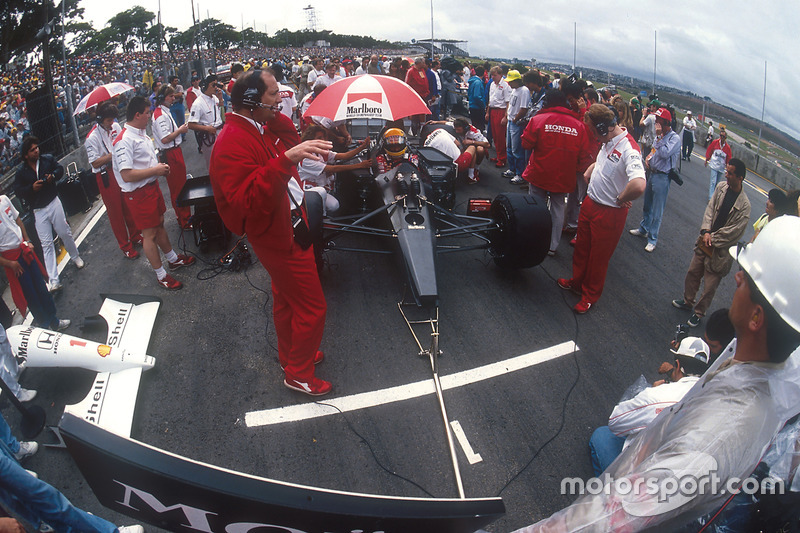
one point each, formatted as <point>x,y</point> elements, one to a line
<point>372,451</point>
<point>566,397</point>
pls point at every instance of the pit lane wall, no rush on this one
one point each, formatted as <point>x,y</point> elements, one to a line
<point>178,494</point>
<point>778,175</point>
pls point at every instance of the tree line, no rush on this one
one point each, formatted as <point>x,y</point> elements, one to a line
<point>136,29</point>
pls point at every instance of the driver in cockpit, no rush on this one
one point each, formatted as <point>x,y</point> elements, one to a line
<point>393,151</point>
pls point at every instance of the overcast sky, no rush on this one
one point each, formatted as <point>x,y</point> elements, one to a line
<point>712,48</point>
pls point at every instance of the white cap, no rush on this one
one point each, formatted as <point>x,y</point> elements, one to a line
<point>693,347</point>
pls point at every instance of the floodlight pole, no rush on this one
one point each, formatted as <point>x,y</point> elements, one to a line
<point>763,108</point>
<point>574,46</point>
<point>67,86</point>
<point>431,30</point>
<point>655,58</point>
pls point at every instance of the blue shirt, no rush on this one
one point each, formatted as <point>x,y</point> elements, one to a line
<point>666,153</point>
<point>476,93</point>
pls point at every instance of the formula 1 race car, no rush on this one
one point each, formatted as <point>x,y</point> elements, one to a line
<point>414,205</point>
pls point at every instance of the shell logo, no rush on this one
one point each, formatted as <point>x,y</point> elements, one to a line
<point>103,350</point>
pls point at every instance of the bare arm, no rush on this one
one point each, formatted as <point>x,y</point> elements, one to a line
<point>130,175</point>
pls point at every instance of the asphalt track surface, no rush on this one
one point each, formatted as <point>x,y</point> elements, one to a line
<point>214,343</point>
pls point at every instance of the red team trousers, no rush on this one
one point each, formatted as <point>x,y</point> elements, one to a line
<point>175,181</point>
<point>298,307</point>
<point>118,215</point>
<point>496,115</point>
<point>599,230</point>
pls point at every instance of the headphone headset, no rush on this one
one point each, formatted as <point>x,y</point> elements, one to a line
<point>251,98</point>
<point>205,82</point>
<point>106,110</point>
<point>602,128</point>
<point>162,94</point>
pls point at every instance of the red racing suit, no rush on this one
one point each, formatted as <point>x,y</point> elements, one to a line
<point>250,176</point>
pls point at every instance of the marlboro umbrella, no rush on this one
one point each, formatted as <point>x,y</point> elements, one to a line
<point>367,96</point>
<point>101,94</point>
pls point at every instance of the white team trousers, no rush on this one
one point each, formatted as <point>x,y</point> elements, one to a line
<point>49,218</point>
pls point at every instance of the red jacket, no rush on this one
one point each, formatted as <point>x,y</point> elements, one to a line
<point>249,174</point>
<point>560,147</point>
<point>418,81</point>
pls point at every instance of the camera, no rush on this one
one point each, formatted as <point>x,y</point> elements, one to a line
<point>681,332</point>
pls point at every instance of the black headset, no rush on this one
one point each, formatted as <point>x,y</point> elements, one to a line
<point>251,98</point>
<point>604,127</point>
<point>106,110</point>
<point>205,82</point>
<point>162,94</point>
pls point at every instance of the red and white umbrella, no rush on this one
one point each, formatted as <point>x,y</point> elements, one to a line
<point>368,96</point>
<point>101,94</point>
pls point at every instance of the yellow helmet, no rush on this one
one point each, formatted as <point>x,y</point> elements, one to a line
<point>394,142</point>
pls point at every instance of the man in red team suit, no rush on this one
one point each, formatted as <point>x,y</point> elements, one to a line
<point>253,172</point>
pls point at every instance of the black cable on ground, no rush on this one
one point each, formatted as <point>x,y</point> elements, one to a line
<point>372,451</point>
<point>566,398</point>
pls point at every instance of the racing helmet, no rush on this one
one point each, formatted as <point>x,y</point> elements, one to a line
<point>394,142</point>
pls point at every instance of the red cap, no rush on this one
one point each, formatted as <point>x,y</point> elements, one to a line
<point>664,113</point>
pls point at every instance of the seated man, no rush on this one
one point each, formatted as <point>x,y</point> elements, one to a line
<point>468,135</point>
<point>694,356</point>
<point>463,156</point>
<point>393,151</point>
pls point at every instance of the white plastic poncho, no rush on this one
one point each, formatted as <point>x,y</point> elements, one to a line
<point>687,462</point>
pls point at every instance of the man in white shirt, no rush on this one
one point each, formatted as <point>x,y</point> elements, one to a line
<point>496,113</point>
<point>449,145</point>
<point>288,98</point>
<point>137,169</point>
<point>99,150</point>
<point>615,179</point>
<point>205,118</point>
<point>168,138</point>
<point>517,109</point>
<point>689,127</point>
<point>631,416</point>
<point>330,76</point>
<point>315,73</point>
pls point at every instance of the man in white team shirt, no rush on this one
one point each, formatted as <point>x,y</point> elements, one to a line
<point>449,145</point>
<point>168,138</point>
<point>616,178</point>
<point>99,149</point>
<point>205,118</point>
<point>288,98</point>
<point>137,169</point>
<point>468,136</point>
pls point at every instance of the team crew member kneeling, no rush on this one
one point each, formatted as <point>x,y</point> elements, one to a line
<point>615,179</point>
<point>136,168</point>
<point>253,171</point>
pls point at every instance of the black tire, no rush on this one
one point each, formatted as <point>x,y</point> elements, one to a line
<point>523,238</point>
<point>313,203</point>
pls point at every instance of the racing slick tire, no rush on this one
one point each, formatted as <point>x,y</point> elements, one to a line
<point>522,239</point>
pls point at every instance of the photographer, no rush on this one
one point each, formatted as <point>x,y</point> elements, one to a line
<point>99,148</point>
<point>36,184</point>
<point>257,193</point>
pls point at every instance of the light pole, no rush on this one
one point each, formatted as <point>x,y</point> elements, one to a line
<point>67,86</point>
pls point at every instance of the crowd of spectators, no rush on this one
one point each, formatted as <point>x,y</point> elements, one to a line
<point>139,69</point>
